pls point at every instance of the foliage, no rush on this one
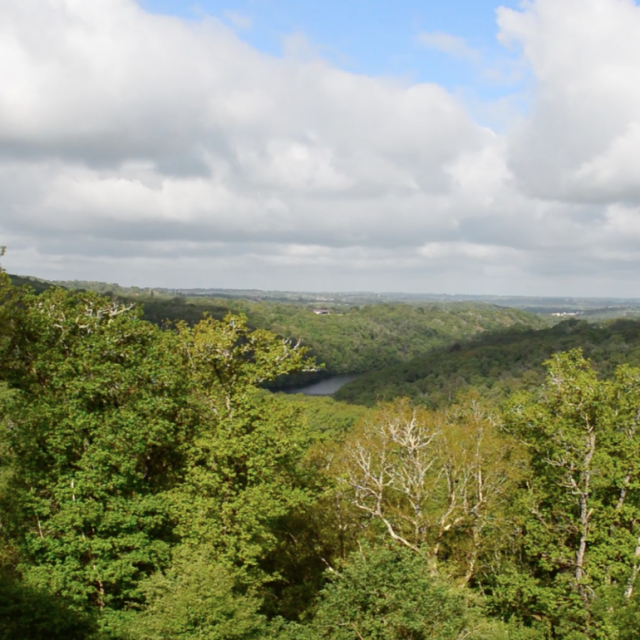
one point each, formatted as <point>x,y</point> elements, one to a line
<point>383,594</point>
<point>241,471</point>
<point>375,336</point>
<point>435,482</point>
<point>327,419</point>
<point>497,364</point>
<point>10,309</point>
<point>581,505</point>
<point>152,487</point>
<point>196,598</point>
<point>29,614</point>
<point>119,440</point>
<point>387,595</point>
<point>35,284</point>
<point>352,339</point>
<point>94,428</point>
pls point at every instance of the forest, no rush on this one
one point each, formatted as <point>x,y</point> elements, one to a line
<point>482,482</point>
<point>496,364</point>
<point>353,338</point>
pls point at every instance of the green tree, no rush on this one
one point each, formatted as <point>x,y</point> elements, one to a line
<point>10,310</point>
<point>196,598</point>
<point>120,440</point>
<point>27,613</point>
<point>242,471</point>
<point>92,431</point>
<point>434,482</point>
<point>497,364</point>
<point>581,508</point>
<point>384,594</point>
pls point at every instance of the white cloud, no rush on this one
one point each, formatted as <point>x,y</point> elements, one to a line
<point>159,151</point>
<point>582,139</point>
<point>239,20</point>
<point>449,44</point>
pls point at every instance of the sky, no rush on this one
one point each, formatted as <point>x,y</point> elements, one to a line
<point>461,147</point>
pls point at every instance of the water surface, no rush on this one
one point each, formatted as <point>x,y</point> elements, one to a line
<point>326,387</point>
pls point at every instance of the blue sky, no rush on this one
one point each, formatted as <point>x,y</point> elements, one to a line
<point>375,37</point>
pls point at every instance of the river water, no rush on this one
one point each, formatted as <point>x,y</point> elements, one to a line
<point>326,387</point>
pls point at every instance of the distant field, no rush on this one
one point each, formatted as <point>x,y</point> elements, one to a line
<point>545,305</point>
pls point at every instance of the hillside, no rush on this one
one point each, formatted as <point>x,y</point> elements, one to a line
<point>149,484</point>
<point>351,338</point>
<point>365,338</point>
<point>36,284</point>
<point>496,364</point>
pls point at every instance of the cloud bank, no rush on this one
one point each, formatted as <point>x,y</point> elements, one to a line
<point>158,151</point>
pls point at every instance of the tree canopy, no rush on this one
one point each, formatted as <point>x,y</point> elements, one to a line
<point>152,487</point>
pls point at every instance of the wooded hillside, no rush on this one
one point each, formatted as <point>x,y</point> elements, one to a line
<point>152,489</point>
<point>496,364</point>
<point>350,339</point>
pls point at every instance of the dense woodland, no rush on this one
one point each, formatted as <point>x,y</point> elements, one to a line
<point>497,364</point>
<point>152,487</point>
<point>352,339</point>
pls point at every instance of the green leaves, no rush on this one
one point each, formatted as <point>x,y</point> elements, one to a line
<point>196,598</point>
<point>94,430</point>
<point>150,487</point>
<point>29,614</point>
<point>434,482</point>
<point>242,467</point>
<point>581,507</point>
<point>383,594</point>
<point>495,365</point>
<point>121,439</point>
<point>227,356</point>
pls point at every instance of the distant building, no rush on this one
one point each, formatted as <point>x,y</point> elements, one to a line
<point>322,312</point>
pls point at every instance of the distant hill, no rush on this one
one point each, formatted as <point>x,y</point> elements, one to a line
<point>581,307</point>
<point>374,336</point>
<point>347,338</point>
<point>35,283</point>
<point>351,339</point>
<point>496,364</point>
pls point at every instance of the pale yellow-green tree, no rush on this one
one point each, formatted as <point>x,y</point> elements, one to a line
<point>433,482</point>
